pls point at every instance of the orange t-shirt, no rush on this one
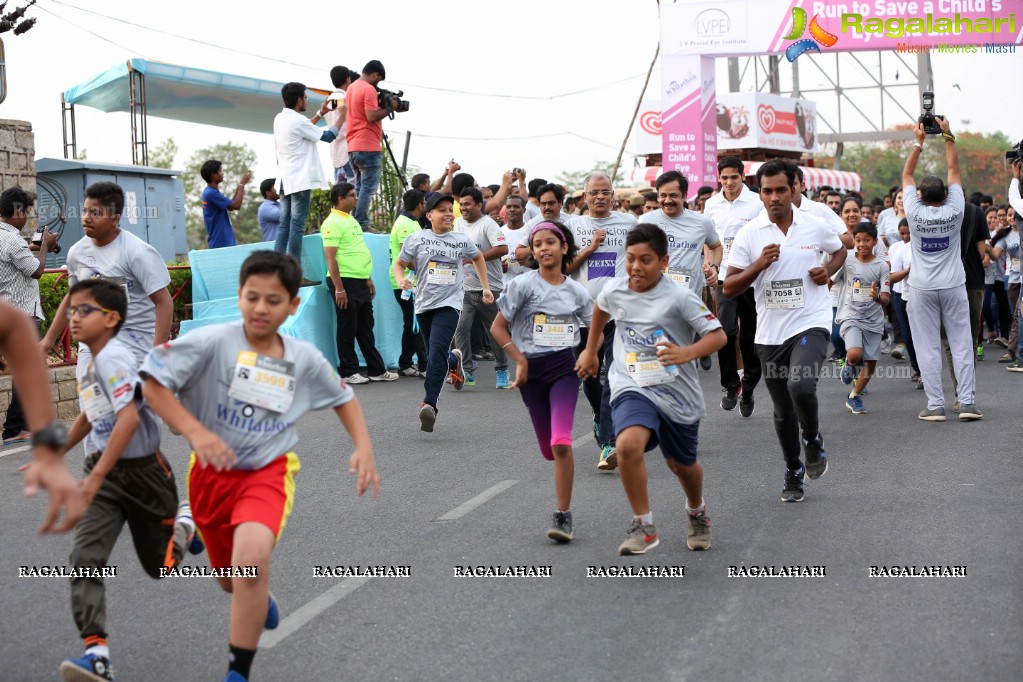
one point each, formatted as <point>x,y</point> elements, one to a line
<point>362,135</point>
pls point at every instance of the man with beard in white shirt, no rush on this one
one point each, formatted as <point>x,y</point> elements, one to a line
<point>729,211</point>
<point>779,257</point>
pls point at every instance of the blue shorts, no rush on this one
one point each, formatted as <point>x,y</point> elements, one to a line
<point>677,441</point>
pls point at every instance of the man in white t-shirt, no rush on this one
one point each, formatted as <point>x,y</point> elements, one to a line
<point>730,210</point>
<point>938,279</point>
<point>779,257</point>
<point>341,77</point>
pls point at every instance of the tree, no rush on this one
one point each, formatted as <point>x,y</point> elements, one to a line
<point>236,158</point>
<point>574,180</point>
<point>163,154</point>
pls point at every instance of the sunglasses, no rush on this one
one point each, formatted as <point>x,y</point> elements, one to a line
<point>84,309</point>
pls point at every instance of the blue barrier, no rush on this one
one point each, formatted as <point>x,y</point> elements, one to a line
<point>215,296</point>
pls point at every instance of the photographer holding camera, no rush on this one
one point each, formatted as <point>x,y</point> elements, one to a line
<point>365,133</point>
<point>938,278</point>
<point>20,270</point>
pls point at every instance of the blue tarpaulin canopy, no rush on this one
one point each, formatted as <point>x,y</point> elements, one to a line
<point>184,93</point>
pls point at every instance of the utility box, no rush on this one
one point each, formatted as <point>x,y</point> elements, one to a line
<point>154,203</point>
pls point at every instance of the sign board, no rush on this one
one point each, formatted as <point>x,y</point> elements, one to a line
<point>757,120</point>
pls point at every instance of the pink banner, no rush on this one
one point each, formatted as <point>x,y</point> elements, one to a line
<point>688,136</point>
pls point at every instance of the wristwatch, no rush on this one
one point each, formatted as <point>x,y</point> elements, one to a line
<point>54,435</point>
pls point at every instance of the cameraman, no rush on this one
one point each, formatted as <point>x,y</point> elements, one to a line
<point>938,278</point>
<point>365,134</point>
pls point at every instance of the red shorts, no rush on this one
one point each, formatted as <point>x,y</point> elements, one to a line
<point>221,500</point>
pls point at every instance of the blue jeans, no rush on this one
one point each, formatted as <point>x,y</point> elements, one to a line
<point>899,306</point>
<point>438,328</point>
<point>294,209</point>
<point>836,338</point>
<point>344,174</point>
<point>367,167</point>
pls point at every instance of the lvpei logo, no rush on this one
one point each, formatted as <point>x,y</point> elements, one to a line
<point>803,45</point>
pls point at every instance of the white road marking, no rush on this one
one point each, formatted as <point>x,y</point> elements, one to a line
<point>303,615</point>
<point>466,507</point>
<point>12,451</point>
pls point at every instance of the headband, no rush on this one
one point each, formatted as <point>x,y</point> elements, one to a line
<point>547,225</point>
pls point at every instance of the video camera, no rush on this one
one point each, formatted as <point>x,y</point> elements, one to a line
<point>392,100</point>
<point>1016,153</point>
<point>929,118</point>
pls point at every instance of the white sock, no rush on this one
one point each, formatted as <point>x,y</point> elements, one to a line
<point>566,511</point>
<point>647,519</point>
<point>699,510</point>
<point>99,650</point>
<point>185,516</point>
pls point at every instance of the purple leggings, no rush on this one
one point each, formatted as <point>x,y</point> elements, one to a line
<point>550,394</point>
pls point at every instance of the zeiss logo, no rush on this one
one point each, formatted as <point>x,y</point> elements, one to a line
<point>933,244</point>
<point>608,263</point>
<point>712,22</point>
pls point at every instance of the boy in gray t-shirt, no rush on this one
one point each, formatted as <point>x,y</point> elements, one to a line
<point>655,391</point>
<point>240,389</point>
<point>864,288</point>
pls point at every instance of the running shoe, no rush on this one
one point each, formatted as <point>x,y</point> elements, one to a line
<point>386,376</point>
<point>848,373</point>
<point>793,490</point>
<point>412,372</point>
<point>699,531</point>
<point>356,379</point>
<point>1015,366</point>
<point>746,405</point>
<point>470,377</point>
<point>969,413</point>
<point>194,545</point>
<point>980,351</point>
<point>705,362</point>
<point>273,616</point>
<point>88,668</point>
<point>608,458</point>
<point>561,527</point>
<point>886,345</point>
<point>935,415</point>
<point>234,676</point>
<point>22,437</point>
<point>502,379</point>
<point>955,406</point>
<point>639,539</point>
<point>915,377</point>
<point>1001,341</point>
<point>731,398</point>
<point>427,417</point>
<point>816,458</point>
<point>478,356</point>
<point>596,431</point>
<point>855,405</point>
<point>899,352</point>
<point>456,374</point>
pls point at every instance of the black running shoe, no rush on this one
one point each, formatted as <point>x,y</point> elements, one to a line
<point>561,527</point>
<point>816,459</point>
<point>731,398</point>
<point>705,362</point>
<point>746,405</point>
<point>793,490</point>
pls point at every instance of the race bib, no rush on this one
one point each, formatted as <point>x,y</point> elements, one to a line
<point>679,275</point>
<point>726,248</point>
<point>263,381</point>
<point>1014,265</point>
<point>859,292</point>
<point>784,294</point>
<point>553,331</point>
<point>92,399</point>
<point>645,369</point>
<point>441,273</point>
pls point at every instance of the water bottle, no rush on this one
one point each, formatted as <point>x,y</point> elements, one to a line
<point>661,338</point>
<point>406,294</point>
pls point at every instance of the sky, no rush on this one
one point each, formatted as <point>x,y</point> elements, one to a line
<point>545,86</point>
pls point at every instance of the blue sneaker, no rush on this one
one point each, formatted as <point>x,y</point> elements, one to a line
<point>470,377</point>
<point>855,405</point>
<point>235,676</point>
<point>502,378</point>
<point>608,458</point>
<point>89,667</point>
<point>847,373</point>
<point>195,545</point>
<point>273,616</point>
<point>455,374</point>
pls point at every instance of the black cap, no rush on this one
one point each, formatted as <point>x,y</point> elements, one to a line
<point>436,199</point>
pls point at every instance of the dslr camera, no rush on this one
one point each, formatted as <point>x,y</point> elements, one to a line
<point>37,238</point>
<point>928,118</point>
<point>1016,153</point>
<point>392,100</point>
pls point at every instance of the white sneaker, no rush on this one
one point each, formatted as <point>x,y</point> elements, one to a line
<point>386,376</point>
<point>357,379</point>
<point>412,372</point>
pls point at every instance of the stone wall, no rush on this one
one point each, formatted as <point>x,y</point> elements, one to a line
<point>18,158</point>
<point>63,390</point>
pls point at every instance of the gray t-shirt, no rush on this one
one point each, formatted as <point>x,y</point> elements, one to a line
<point>638,316</point>
<point>486,234</point>
<point>110,385</point>
<point>687,233</point>
<point>856,279</point>
<point>544,318</point>
<point>437,259</point>
<point>608,261</point>
<point>1012,250</point>
<point>133,264</point>
<point>935,234</point>
<point>209,366</point>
